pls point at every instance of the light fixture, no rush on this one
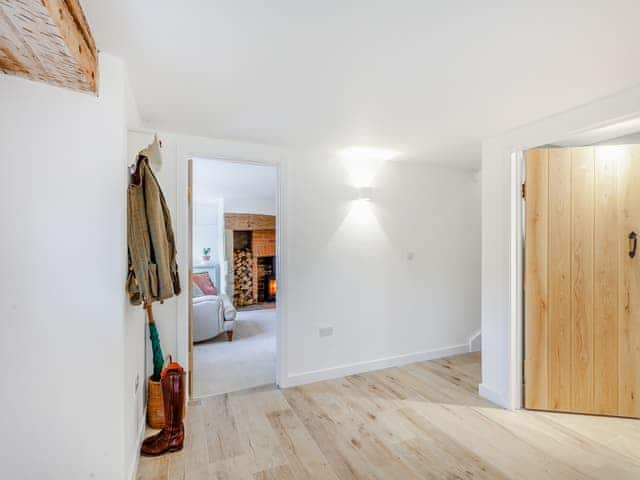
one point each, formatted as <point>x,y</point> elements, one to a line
<point>363,163</point>
<point>364,194</point>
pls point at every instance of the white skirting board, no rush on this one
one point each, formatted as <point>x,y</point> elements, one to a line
<point>493,396</point>
<point>362,367</point>
<point>475,341</point>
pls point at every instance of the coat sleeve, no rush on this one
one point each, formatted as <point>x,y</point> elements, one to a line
<point>162,240</point>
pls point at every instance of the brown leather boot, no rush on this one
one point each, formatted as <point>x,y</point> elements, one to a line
<point>171,437</point>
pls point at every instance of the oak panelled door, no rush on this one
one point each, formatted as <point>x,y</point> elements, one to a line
<point>582,280</point>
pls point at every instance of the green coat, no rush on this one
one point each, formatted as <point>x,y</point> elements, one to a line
<point>153,271</point>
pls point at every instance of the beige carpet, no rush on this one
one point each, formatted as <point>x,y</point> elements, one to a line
<point>248,361</point>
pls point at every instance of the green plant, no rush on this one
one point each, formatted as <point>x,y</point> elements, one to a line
<point>206,250</point>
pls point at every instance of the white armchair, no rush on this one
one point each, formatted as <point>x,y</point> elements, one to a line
<point>213,315</point>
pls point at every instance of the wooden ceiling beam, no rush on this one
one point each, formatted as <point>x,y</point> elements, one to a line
<point>49,41</point>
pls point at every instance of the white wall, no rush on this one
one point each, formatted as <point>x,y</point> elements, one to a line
<point>501,287</point>
<point>255,205</point>
<point>63,256</point>
<point>351,267</point>
<point>346,265</point>
<point>208,228</point>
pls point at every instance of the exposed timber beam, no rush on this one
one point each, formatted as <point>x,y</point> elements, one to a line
<point>49,41</point>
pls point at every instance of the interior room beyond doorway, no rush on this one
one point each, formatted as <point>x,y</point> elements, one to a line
<point>234,276</point>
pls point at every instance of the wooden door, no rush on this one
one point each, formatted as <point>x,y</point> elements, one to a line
<point>582,287</point>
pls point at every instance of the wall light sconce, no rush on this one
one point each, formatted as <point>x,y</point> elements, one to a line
<point>364,193</point>
<point>363,163</point>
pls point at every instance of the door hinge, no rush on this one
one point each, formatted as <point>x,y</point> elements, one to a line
<point>523,190</point>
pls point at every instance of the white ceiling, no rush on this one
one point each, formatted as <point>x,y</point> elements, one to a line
<point>423,77</point>
<point>213,179</point>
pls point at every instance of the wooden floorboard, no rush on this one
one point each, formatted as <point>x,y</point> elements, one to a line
<point>419,421</point>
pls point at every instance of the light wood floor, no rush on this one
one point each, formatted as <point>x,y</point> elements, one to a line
<point>419,421</point>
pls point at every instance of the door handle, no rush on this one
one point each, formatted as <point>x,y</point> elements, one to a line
<point>633,236</point>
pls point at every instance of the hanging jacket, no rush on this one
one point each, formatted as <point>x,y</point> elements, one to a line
<point>153,271</point>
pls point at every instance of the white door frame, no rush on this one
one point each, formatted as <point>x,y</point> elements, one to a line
<point>502,262</point>
<point>184,154</point>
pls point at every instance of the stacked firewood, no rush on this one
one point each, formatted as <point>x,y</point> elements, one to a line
<point>243,278</point>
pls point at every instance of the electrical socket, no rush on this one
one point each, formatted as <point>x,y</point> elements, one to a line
<point>325,331</point>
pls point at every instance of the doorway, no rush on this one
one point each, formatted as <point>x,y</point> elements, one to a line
<point>233,271</point>
<point>582,280</point>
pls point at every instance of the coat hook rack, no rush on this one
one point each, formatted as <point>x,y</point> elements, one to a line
<point>132,167</point>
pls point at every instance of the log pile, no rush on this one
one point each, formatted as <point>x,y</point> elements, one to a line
<point>243,278</point>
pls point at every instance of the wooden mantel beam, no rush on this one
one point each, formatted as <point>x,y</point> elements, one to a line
<point>49,41</point>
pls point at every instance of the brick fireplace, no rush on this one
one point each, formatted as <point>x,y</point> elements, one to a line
<point>254,258</point>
